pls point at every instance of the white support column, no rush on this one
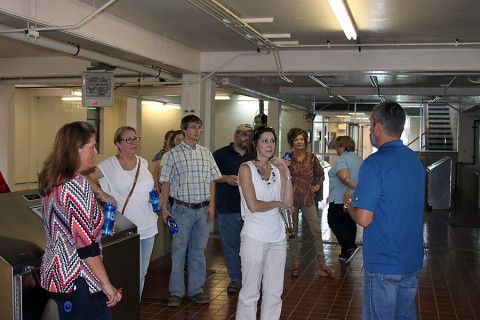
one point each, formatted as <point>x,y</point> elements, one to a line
<point>274,113</point>
<point>208,114</point>
<point>7,138</point>
<point>134,113</point>
<point>198,98</point>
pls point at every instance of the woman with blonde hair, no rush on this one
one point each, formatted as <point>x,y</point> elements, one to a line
<point>125,178</point>
<point>344,174</point>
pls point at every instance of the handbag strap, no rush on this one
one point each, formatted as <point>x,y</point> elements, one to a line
<point>133,187</point>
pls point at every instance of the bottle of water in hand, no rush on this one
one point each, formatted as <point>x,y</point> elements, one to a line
<point>172,225</point>
<point>155,201</point>
<point>110,213</point>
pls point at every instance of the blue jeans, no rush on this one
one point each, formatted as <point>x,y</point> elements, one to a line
<point>389,296</point>
<point>146,248</point>
<point>193,233</point>
<point>229,226</point>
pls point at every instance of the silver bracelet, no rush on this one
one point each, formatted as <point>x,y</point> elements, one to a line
<point>345,206</point>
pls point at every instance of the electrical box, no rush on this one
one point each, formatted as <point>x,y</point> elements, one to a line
<point>97,89</point>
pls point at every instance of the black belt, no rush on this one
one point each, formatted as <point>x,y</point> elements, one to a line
<point>336,204</point>
<point>193,205</point>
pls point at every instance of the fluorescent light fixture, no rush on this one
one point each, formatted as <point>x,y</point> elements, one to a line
<point>76,93</point>
<point>258,20</point>
<point>171,106</point>
<point>222,97</point>
<point>276,35</point>
<point>320,82</point>
<point>341,116</point>
<point>246,98</point>
<point>152,103</point>
<point>358,113</point>
<point>340,11</point>
<point>71,98</point>
<point>285,43</point>
<point>342,98</point>
<point>374,81</point>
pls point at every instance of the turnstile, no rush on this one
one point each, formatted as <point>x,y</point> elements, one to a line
<point>22,243</point>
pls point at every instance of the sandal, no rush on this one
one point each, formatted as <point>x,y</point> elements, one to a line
<point>325,271</point>
<point>295,270</point>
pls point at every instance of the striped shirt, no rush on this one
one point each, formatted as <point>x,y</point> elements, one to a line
<point>73,223</point>
<point>189,172</point>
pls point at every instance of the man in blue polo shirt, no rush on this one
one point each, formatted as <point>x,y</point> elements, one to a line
<point>227,213</point>
<point>389,203</point>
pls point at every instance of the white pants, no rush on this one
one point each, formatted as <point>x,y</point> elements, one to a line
<point>263,265</point>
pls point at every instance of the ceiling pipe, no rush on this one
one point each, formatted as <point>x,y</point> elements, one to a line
<point>76,81</point>
<point>92,55</point>
<point>355,45</point>
<point>61,28</point>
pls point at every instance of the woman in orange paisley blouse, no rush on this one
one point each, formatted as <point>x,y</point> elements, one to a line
<point>308,176</point>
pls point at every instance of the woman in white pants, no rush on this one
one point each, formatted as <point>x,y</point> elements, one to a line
<point>265,186</point>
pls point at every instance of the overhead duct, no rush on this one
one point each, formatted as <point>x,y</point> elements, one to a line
<point>91,55</point>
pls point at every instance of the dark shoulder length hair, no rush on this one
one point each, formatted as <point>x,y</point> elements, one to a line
<point>252,147</point>
<point>64,158</point>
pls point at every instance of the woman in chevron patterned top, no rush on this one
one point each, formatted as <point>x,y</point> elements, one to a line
<point>72,270</point>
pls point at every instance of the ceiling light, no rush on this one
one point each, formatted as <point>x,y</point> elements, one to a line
<point>276,35</point>
<point>374,81</point>
<point>152,103</point>
<point>222,97</point>
<point>320,82</point>
<point>76,93</point>
<point>342,98</point>
<point>172,106</point>
<point>285,43</point>
<point>341,116</point>
<point>340,11</point>
<point>258,20</point>
<point>71,98</point>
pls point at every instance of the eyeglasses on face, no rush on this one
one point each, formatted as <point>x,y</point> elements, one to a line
<point>132,140</point>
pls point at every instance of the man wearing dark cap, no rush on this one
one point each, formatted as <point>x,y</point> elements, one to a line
<point>229,220</point>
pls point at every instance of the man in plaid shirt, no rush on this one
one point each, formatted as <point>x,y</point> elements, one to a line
<point>188,175</point>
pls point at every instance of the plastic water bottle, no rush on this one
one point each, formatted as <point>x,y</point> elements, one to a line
<point>155,201</point>
<point>110,213</point>
<point>172,225</point>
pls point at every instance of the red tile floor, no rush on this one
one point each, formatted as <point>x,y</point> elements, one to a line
<point>449,286</point>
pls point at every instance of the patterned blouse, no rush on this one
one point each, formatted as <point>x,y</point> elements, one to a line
<point>306,172</point>
<point>73,223</point>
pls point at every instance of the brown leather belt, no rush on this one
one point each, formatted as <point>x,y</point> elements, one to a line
<point>192,205</point>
